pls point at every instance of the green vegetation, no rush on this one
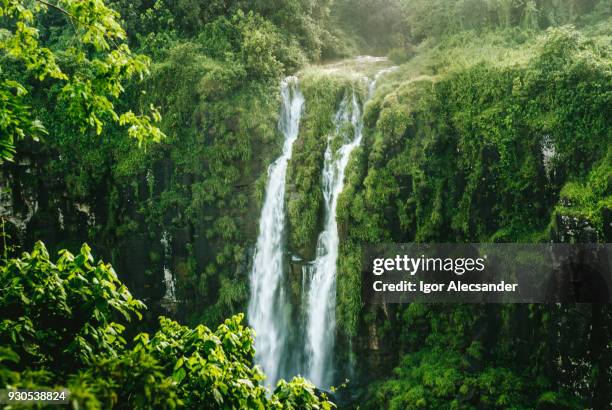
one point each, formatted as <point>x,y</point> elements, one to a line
<point>305,199</point>
<point>458,149</point>
<point>455,360</point>
<point>494,128</point>
<point>62,325</point>
<point>83,78</point>
<point>214,76</point>
<point>65,65</point>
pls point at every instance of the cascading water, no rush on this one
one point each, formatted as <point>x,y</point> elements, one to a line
<point>267,309</point>
<point>321,300</point>
<point>170,295</point>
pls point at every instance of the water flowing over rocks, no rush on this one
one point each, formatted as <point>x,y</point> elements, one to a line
<point>285,346</point>
<point>267,313</point>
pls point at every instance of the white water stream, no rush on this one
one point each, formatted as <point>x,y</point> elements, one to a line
<point>321,301</point>
<point>267,306</point>
<point>170,295</point>
<point>321,308</point>
<point>269,310</point>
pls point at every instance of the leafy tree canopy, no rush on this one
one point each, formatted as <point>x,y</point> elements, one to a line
<point>61,327</point>
<point>84,78</point>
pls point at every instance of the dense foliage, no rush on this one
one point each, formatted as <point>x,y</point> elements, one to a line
<point>402,25</point>
<point>495,128</point>
<point>63,322</point>
<point>305,202</point>
<point>61,326</point>
<point>200,187</point>
<point>83,79</point>
<point>487,153</point>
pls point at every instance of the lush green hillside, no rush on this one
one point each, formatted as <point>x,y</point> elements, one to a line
<point>145,128</point>
<point>458,150</point>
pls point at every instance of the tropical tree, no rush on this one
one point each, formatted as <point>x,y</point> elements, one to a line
<point>84,78</point>
<point>63,326</point>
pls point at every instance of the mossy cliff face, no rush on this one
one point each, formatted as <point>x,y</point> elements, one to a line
<point>481,154</point>
<point>323,94</point>
<point>224,133</point>
<point>199,188</point>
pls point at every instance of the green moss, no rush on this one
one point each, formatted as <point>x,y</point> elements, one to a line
<point>459,157</point>
<point>323,94</point>
<point>589,200</point>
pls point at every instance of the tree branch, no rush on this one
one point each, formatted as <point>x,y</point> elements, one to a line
<point>72,18</point>
<point>61,10</point>
<point>58,8</point>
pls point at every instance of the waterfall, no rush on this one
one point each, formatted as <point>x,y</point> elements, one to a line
<point>321,299</point>
<point>267,310</point>
<point>170,295</point>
